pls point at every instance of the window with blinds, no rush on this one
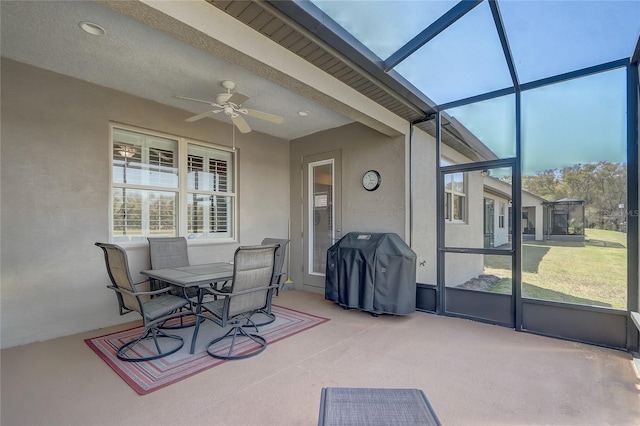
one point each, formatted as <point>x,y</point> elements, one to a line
<point>208,210</point>
<point>146,188</point>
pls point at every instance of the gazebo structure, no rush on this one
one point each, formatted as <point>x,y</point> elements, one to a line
<point>565,220</point>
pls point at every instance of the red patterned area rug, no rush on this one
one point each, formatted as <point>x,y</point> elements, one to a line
<point>148,376</point>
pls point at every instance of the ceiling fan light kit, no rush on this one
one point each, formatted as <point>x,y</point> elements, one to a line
<point>231,105</point>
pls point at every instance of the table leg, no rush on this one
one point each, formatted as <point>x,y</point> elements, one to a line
<point>197,327</point>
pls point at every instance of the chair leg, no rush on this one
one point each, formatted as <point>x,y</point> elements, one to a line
<point>237,331</point>
<point>155,334</point>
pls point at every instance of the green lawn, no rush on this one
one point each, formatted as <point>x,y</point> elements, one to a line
<point>593,272</point>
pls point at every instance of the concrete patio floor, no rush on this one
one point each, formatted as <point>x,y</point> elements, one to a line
<point>472,373</point>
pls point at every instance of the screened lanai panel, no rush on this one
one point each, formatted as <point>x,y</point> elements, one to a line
<point>577,121</point>
<point>384,26</point>
<point>487,127</point>
<point>574,154</point>
<point>555,37</point>
<point>464,60</point>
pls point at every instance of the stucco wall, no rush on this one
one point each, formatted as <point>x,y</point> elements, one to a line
<point>424,240</point>
<point>55,198</point>
<point>361,149</point>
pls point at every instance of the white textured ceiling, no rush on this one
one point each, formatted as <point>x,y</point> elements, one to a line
<point>144,62</point>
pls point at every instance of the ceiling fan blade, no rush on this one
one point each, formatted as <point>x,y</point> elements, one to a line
<point>264,116</point>
<point>200,116</point>
<point>241,124</point>
<point>238,98</point>
<point>195,100</point>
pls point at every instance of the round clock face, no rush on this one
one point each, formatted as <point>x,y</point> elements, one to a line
<point>371,180</point>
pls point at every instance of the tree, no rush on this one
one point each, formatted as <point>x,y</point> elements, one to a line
<point>603,187</point>
<point>544,184</point>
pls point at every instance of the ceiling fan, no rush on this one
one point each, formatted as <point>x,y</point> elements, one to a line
<point>231,105</point>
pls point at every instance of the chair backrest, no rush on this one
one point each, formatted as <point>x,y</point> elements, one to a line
<point>168,252</point>
<point>118,269</point>
<point>252,268</point>
<point>278,263</point>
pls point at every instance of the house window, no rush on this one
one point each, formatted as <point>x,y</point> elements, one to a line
<point>208,209</point>
<point>455,199</point>
<point>501,215</point>
<point>159,191</point>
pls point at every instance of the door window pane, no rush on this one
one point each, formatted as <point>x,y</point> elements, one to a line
<point>475,221</point>
<point>321,211</point>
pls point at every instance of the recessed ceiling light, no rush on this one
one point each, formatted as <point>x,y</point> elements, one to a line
<point>91,28</point>
<point>303,113</point>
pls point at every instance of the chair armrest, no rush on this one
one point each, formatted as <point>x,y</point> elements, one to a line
<point>141,293</point>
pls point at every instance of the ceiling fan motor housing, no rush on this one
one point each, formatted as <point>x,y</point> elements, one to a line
<point>228,84</point>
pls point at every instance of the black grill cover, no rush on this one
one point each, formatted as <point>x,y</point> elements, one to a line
<point>374,272</point>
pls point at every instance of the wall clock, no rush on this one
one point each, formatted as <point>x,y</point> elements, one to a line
<point>371,180</point>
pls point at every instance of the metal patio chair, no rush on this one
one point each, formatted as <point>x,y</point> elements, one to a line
<point>278,273</point>
<point>171,252</point>
<point>168,252</point>
<point>248,293</point>
<point>154,310</point>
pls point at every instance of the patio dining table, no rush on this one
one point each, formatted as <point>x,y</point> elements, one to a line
<point>194,276</point>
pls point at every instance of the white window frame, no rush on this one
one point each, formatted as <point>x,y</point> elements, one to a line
<point>181,189</point>
<point>451,194</point>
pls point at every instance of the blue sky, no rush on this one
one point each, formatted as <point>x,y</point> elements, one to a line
<point>578,121</point>
<point>547,37</point>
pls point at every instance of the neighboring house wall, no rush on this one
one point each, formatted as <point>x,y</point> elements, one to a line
<point>361,148</point>
<point>531,203</point>
<point>535,204</point>
<point>55,198</point>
